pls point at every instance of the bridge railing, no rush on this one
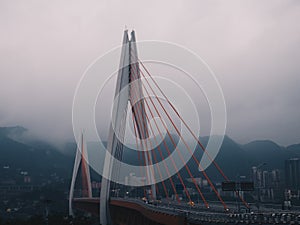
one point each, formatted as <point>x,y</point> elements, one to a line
<point>196,214</point>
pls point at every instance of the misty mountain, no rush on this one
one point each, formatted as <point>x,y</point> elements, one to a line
<point>11,132</point>
<point>232,159</point>
<point>268,152</point>
<point>237,160</point>
<point>295,149</point>
<point>36,156</point>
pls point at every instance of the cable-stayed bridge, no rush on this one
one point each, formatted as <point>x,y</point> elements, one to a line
<point>158,201</point>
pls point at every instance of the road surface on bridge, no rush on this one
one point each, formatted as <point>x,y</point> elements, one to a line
<point>183,213</point>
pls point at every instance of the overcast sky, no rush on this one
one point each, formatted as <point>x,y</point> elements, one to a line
<point>252,46</point>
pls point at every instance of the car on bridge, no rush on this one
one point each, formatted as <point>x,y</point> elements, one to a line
<point>191,203</point>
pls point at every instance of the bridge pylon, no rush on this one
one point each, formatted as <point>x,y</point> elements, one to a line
<point>129,77</point>
<point>81,158</point>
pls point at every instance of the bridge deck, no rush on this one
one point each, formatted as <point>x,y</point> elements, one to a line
<point>155,214</point>
<point>136,212</point>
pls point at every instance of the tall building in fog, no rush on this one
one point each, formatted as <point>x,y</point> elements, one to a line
<point>275,178</point>
<point>292,173</point>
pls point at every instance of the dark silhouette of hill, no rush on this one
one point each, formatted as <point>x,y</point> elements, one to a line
<point>231,159</point>
<point>36,156</point>
<point>294,149</point>
<point>268,152</point>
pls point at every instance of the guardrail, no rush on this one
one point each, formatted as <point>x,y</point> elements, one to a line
<point>199,215</point>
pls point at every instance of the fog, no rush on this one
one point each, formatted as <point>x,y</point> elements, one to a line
<point>253,47</point>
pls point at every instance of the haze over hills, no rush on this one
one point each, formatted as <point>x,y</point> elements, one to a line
<point>33,156</point>
<point>36,156</point>
<point>295,149</point>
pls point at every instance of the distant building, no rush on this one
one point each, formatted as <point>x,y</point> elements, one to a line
<point>256,176</point>
<point>27,179</point>
<point>199,181</point>
<point>292,173</point>
<point>267,183</point>
<point>275,178</point>
<point>265,179</point>
<point>96,185</point>
<point>133,180</point>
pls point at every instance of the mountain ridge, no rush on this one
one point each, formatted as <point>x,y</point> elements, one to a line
<point>234,158</point>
